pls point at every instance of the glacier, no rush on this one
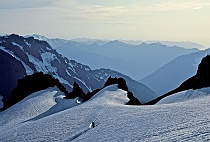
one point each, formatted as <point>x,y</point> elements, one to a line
<point>187,120</point>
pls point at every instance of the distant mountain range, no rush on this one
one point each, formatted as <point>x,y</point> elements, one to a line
<point>23,56</point>
<point>136,61</point>
<point>172,74</point>
<point>185,44</point>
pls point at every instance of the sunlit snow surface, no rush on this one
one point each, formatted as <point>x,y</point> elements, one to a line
<point>185,96</point>
<point>114,121</point>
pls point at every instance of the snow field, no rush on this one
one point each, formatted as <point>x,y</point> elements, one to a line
<point>114,121</point>
<point>185,96</point>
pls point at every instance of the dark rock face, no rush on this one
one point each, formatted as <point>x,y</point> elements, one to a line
<point>122,85</point>
<point>30,84</point>
<point>200,80</point>
<point>133,100</point>
<point>76,92</point>
<point>120,81</point>
<point>10,71</point>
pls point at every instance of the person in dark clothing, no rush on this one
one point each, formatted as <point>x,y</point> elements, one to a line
<point>92,125</point>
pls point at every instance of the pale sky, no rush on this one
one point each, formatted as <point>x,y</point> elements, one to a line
<point>172,20</point>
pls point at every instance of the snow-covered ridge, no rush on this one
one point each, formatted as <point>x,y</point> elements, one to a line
<point>42,104</point>
<point>111,95</point>
<point>186,96</point>
<point>109,118</point>
<point>140,91</point>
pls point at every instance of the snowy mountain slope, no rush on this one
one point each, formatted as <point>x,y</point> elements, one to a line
<point>40,104</point>
<point>110,95</point>
<point>172,74</point>
<point>114,121</point>
<point>37,103</point>
<point>139,91</point>
<point>185,96</point>
<point>34,55</point>
<point>136,61</point>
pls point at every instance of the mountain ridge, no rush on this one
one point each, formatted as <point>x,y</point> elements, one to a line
<point>178,70</point>
<point>38,56</point>
<point>136,61</point>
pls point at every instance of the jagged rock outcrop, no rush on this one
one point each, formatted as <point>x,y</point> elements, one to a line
<point>133,100</point>
<point>77,91</point>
